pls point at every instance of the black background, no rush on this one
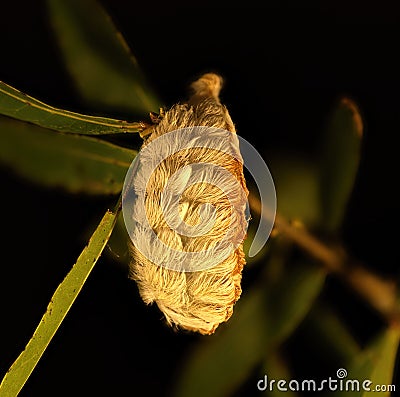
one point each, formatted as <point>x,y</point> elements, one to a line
<point>284,66</point>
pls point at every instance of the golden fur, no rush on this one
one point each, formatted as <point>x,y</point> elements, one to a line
<point>200,300</point>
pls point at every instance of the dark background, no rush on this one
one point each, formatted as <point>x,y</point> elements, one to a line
<point>284,66</point>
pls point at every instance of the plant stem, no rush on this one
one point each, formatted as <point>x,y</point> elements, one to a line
<point>378,292</point>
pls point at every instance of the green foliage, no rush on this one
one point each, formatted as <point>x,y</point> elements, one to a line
<point>58,148</point>
<point>376,363</point>
<point>78,163</point>
<point>340,156</point>
<point>23,107</point>
<point>275,366</point>
<point>118,243</point>
<point>331,333</point>
<point>264,317</point>
<point>104,71</point>
<point>43,153</point>
<point>59,305</point>
<point>297,188</point>
<point>251,234</point>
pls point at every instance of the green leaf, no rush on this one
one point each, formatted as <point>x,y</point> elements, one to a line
<point>118,243</point>
<point>290,299</point>
<point>218,365</point>
<point>23,107</point>
<point>328,333</point>
<point>263,318</point>
<point>340,157</point>
<point>59,305</point>
<point>275,367</point>
<point>251,233</point>
<point>376,364</point>
<point>384,351</point>
<point>105,72</point>
<point>296,184</point>
<point>73,162</point>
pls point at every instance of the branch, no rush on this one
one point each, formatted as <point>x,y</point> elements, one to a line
<point>379,293</point>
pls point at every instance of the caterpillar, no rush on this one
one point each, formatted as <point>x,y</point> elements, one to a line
<point>208,217</point>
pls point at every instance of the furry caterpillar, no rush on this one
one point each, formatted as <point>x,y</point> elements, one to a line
<point>201,296</point>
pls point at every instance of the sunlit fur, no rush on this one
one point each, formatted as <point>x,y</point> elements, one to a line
<point>200,300</point>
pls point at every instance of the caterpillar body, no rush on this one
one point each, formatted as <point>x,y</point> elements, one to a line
<point>201,297</point>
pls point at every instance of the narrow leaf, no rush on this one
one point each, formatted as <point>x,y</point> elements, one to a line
<point>73,162</point>
<point>375,364</point>
<point>251,234</point>
<point>296,184</point>
<point>275,367</point>
<point>385,349</point>
<point>262,319</point>
<point>23,107</point>
<point>291,298</point>
<point>118,243</point>
<point>331,335</point>
<point>57,309</point>
<point>217,366</point>
<point>105,72</point>
<point>340,156</point>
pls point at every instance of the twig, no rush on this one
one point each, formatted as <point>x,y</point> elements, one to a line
<point>378,292</point>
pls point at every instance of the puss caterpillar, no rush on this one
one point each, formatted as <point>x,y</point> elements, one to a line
<point>200,296</point>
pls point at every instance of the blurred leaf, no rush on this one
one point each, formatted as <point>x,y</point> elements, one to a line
<point>263,318</point>
<point>290,299</point>
<point>118,243</point>
<point>296,184</point>
<point>97,57</point>
<point>23,107</point>
<point>376,364</point>
<point>276,368</point>
<point>385,349</point>
<point>218,365</point>
<point>329,334</point>
<point>251,233</point>
<point>340,157</point>
<point>59,305</point>
<point>73,162</point>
